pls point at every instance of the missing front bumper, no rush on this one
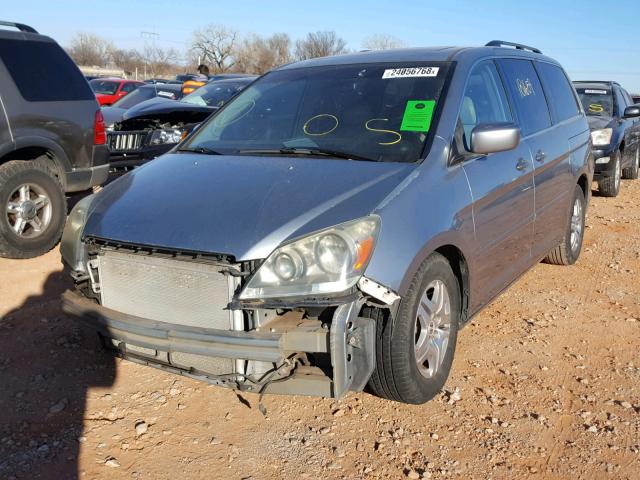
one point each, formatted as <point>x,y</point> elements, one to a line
<point>350,343</point>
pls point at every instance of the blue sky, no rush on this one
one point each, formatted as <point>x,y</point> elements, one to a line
<point>580,34</point>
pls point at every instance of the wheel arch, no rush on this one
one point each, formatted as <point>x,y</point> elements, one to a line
<point>459,263</point>
<point>31,148</point>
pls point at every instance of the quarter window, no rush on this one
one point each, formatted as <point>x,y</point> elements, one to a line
<point>562,100</point>
<point>484,100</point>
<point>527,94</point>
<point>43,72</point>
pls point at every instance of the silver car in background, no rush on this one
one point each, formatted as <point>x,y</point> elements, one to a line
<point>337,223</point>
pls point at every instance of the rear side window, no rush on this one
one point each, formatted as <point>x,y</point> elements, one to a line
<point>129,87</point>
<point>484,100</point>
<point>527,94</point>
<point>43,72</point>
<point>562,100</point>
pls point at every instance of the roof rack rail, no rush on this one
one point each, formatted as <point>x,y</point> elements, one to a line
<point>612,82</point>
<point>20,26</point>
<point>518,46</point>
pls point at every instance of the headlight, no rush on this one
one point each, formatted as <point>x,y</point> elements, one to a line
<point>602,137</point>
<point>169,135</point>
<point>329,261</point>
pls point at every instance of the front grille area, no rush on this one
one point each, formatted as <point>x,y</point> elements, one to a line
<point>166,290</point>
<point>127,141</point>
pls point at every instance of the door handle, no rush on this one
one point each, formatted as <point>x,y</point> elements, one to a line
<point>522,164</point>
<point>540,156</point>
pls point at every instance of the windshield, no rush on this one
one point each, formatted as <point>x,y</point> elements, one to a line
<point>214,94</point>
<point>380,112</point>
<point>596,101</point>
<point>138,95</point>
<point>105,87</point>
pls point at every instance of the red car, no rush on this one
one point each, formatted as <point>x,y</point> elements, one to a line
<point>109,90</point>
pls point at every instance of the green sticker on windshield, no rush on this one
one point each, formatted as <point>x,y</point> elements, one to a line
<point>417,116</point>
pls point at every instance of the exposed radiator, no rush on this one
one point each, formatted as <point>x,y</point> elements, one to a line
<point>166,290</point>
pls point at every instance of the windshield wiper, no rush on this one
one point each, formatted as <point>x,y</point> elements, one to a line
<point>308,151</point>
<point>201,150</point>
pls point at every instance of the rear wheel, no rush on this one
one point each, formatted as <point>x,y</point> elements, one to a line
<point>34,209</point>
<point>610,186</point>
<point>568,251</point>
<point>414,350</point>
<point>631,172</point>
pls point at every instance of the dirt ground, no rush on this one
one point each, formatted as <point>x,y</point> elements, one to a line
<point>545,384</point>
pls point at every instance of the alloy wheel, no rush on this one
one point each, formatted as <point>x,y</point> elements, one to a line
<point>28,210</point>
<point>577,224</point>
<point>432,328</point>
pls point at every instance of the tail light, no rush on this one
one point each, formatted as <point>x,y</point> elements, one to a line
<point>99,130</point>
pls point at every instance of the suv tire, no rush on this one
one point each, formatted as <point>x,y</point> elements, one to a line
<point>568,251</point>
<point>610,186</point>
<point>33,208</point>
<point>631,172</point>
<point>398,375</point>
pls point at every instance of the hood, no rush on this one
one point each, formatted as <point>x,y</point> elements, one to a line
<point>237,205</point>
<point>598,122</point>
<point>165,109</point>
<point>112,115</point>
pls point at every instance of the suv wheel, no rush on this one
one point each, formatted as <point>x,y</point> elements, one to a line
<point>568,251</point>
<point>632,172</point>
<point>414,350</point>
<point>610,186</point>
<point>34,209</point>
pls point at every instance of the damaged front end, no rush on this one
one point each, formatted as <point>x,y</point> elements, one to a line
<point>184,312</point>
<point>135,141</point>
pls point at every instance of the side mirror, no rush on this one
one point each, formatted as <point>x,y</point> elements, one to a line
<point>632,111</point>
<point>494,137</point>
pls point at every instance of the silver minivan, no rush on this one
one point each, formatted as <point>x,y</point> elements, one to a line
<point>335,225</point>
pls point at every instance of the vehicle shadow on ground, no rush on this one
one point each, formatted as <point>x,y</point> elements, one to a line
<point>47,364</point>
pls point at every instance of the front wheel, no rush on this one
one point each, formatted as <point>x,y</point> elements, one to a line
<point>568,251</point>
<point>610,186</point>
<point>415,349</point>
<point>631,172</point>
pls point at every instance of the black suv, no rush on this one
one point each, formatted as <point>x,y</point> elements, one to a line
<point>52,140</point>
<point>614,120</point>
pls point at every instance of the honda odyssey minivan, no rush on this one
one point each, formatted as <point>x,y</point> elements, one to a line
<point>335,225</point>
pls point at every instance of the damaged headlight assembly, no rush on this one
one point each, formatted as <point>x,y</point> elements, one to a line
<point>167,135</point>
<point>325,262</point>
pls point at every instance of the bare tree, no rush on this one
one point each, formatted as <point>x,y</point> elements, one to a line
<point>127,60</point>
<point>259,55</point>
<point>159,60</point>
<point>382,42</point>
<point>215,45</point>
<point>89,49</point>
<point>320,44</point>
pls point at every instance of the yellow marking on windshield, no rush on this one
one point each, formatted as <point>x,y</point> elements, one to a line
<point>366,125</point>
<point>305,127</point>
<point>596,108</point>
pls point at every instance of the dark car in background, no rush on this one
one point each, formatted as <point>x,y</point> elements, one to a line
<point>614,120</point>
<point>336,223</point>
<point>635,98</point>
<point>153,127</point>
<point>52,140</point>
<point>115,112</point>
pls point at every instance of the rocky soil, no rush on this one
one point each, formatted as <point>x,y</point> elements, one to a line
<point>545,384</point>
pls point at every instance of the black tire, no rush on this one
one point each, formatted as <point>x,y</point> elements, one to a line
<point>610,186</point>
<point>396,375</point>
<point>13,174</point>
<point>565,253</point>
<point>631,172</point>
